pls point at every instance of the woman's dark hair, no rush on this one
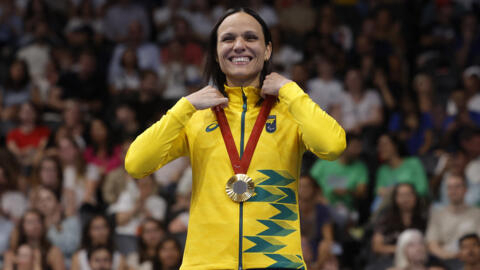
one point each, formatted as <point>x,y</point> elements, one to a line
<point>142,247</point>
<point>11,84</point>
<point>110,141</point>
<point>45,245</point>
<point>122,59</point>
<point>212,68</point>
<point>87,243</point>
<point>37,178</point>
<point>157,263</point>
<point>393,217</point>
<point>397,144</point>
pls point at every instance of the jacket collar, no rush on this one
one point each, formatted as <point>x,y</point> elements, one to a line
<point>235,96</point>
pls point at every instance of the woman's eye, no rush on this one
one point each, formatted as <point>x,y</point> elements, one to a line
<point>251,38</point>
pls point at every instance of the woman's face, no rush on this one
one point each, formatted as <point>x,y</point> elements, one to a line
<point>49,174</point>
<point>98,131</point>
<point>386,148</point>
<point>17,71</point>
<point>99,231</point>
<point>47,203</point>
<point>67,151</point>
<point>405,198</point>
<point>151,234</point>
<point>32,225</point>
<point>241,49</point>
<point>130,58</point>
<point>415,250</point>
<point>24,258</point>
<point>27,113</point>
<point>169,254</point>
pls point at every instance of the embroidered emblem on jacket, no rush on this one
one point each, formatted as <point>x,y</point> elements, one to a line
<point>211,127</point>
<point>271,124</point>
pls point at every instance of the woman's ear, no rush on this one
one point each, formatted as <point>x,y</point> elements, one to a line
<point>268,51</point>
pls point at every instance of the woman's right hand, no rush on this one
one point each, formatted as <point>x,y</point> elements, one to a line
<point>207,97</point>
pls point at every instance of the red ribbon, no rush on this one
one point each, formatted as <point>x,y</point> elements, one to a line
<point>241,165</point>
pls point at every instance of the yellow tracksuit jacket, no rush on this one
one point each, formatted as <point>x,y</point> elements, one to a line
<point>263,232</point>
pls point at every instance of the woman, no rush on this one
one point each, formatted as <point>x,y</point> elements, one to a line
<point>31,230</point>
<point>97,232</point>
<point>397,169</point>
<point>63,229</point>
<point>411,253</point>
<point>169,254</point>
<point>25,258</point>
<point>152,232</point>
<point>404,212</point>
<point>237,64</point>
<point>29,139</point>
<point>102,152</point>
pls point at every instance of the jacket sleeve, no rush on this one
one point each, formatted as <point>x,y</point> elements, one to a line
<point>161,143</point>
<point>320,133</point>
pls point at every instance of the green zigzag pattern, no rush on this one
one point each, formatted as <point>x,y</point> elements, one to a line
<point>285,212</point>
<point>263,195</point>
<point>285,261</point>
<point>290,198</point>
<point>278,228</point>
<point>276,179</point>
<point>262,245</point>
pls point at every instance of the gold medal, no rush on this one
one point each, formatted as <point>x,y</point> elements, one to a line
<point>240,187</point>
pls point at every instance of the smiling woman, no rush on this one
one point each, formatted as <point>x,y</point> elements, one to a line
<point>244,211</point>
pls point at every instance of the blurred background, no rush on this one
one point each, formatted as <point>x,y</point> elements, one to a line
<point>79,79</point>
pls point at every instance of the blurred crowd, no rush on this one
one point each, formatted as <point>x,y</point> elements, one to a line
<point>79,79</point>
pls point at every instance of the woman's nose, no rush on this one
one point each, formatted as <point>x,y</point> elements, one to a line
<point>239,45</point>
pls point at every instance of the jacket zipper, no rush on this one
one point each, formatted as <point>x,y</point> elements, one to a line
<point>242,139</point>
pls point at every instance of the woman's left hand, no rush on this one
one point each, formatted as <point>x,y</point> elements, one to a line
<point>272,84</point>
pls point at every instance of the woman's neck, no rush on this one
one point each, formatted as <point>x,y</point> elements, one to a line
<point>395,161</point>
<point>27,127</point>
<point>406,218</point>
<point>255,82</point>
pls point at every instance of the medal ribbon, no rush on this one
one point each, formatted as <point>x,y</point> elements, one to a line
<point>241,165</point>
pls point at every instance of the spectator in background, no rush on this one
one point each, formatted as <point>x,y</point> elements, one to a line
<point>103,152</point>
<point>74,121</point>
<point>100,258</point>
<point>397,169</point>
<point>149,103</point>
<point>169,254</point>
<point>404,211</point>
<point>315,221</point>
<point>468,41</point>
<point>79,177</point>
<point>283,54</point>
<point>137,201</point>
<point>25,258</point>
<point>178,76</point>
<point>152,232</point>
<point>200,18</point>
<point>86,83</point>
<point>147,53</point>
<point>127,78</point>
<point>16,90</point>
<point>164,15</point>
<point>361,108</point>
<point>48,174</point>
<point>343,181</point>
<point>6,228</point>
<point>13,202</point>
<point>470,251</point>
<point>116,180</point>
<point>97,232</point>
<point>37,54</point>
<point>324,89</point>
<point>412,127</point>
<point>411,253</point>
<point>11,26</point>
<point>31,230</point>
<point>63,228</point>
<point>126,120</point>
<point>121,15</point>
<point>447,224</point>
<point>29,139</point>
